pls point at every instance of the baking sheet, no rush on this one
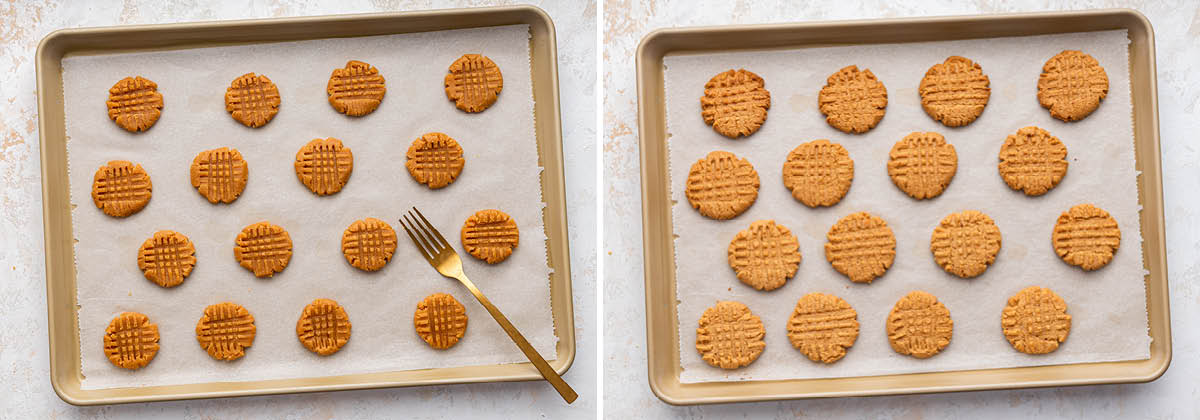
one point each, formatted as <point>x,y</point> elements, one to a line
<point>501,172</point>
<point>1107,306</point>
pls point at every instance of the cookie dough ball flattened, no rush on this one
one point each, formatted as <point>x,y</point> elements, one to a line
<point>1035,321</point>
<point>368,244</point>
<point>818,173</point>
<point>225,331</point>
<point>722,185</point>
<point>474,82</point>
<point>922,165</point>
<point>357,89</point>
<point>965,243</point>
<point>263,248</point>
<point>861,246</point>
<point>490,235</point>
<point>919,325</point>
<point>323,327</point>
<point>765,255</point>
<point>822,327</point>
<point>121,188</point>
<point>440,320</point>
<point>435,159</point>
<point>1072,85</point>
<point>853,101</point>
<point>252,100</point>
<point>220,174</point>
<point>134,103</point>
<point>1033,161</point>
<point>324,165</point>
<point>167,258</point>
<point>1086,237</point>
<point>729,335</point>
<point>735,103</point>
<point>131,340</point>
<point>955,92</point>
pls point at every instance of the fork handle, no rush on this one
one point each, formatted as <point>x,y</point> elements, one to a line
<point>544,368</point>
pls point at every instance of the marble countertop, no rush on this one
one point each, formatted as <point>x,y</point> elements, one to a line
<point>626,390</point>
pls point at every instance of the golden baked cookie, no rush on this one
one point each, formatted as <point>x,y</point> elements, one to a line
<point>121,188</point>
<point>434,159</point>
<point>474,82</point>
<point>729,335</point>
<point>735,103</point>
<point>1033,161</point>
<point>225,330</point>
<point>131,340</point>
<point>861,246</point>
<point>134,103</point>
<point>323,327</point>
<point>1035,321</point>
<point>263,248</point>
<point>1072,85</point>
<point>220,174</point>
<point>919,325</point>
<point>368,244</point>
<point>965,243</point>
<point>721,185</point>
<point>324,165</point>
<point>167,258</point>
<point>440,320</point>
<point>922,164</point>
<point>765,255</point>
<point>1086,237</point>
<point>955,91</point>
<point>357,89</point>
<point>490,235</point>
<point>252,100</point>
<point>822,327</point>
<point>853,101</point>
<point>818,173</point>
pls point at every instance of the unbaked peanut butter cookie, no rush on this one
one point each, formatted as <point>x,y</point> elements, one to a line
<point>955,91</point>
<point>134,103</point>
<point>922,165</point>
<point>131,340</point>
<point>861,246</point>
<point>721,185</point>
<point>1072,85</point>
<point>1033,161</point>
<point>121,188</point>
<point>357,89</point>
<point>1086,236</point>
<point>225,331</point>
<point>490,235</point>
<point>474,82</point>
<point>818,173</point>
<point>965,243</point>
<point>919,325</point>
<point>729,335</point>
<point>440,320</point>
<point>1035,321</point>
<point>323,327</point>
<point>167,258</point>
<point>252,100</point>
<point>324,165</point>
<point>368,244</point>
<point>765,255</point>
<point>435,159</point>
<point>263,248</point>
<point>735,103</point>
<point>220,174</point>
<point>822,327</point>
<point>853,101</point>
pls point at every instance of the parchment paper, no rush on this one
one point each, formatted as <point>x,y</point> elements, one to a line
<point>1108,306</point>
<point>501,172</point>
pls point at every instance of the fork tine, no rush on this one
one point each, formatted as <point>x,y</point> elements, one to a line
<point>424,237</point>
<point>420,248</point>
<point>435,231</point>
<point>435,245</point>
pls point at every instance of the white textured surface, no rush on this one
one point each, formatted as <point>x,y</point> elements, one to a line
<point>1177,29</point>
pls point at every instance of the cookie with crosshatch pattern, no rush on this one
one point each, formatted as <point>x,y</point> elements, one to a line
<point>922,164</point>
<point>134,103</point>
<point>861,246</point>
<point>965,243</point>
<point>735,103</point>
<point>131,340</point>
<point>765,255</point>
<point>818,173</point>
<point>440,320</point>
<point>368,244</point>
<point>167,258</point>
<point>919,325</point>
<point>1033,161</point>
<point>1035,320</point>
<point>252,100</point>
<point>474,82</point>
<point>729,335</point>
<point>490,235</point>
<point>721,185</point>
<point>357,89</point>
<point>954,92</point>
<point>853,101</point>
<point>1086,236</point>
<point>324,165</point>
<point>220,174</point>
<point>323,327</point>
<point>822,327</point>
<point>263,248</point>
<point>121,188</point>
<point>1071,85</point>
<point>434,159</point>
<point>225,331</point>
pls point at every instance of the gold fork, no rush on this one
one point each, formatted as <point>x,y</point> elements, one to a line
<point>442,256</point>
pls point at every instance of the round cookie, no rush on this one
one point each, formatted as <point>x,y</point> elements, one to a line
<point>965,243</point>
<point>765,255</point>
<point>134,103</point>
<point>121,188</point>
<point>167,258</point>
<point>225,331</point>
<point>324,165</point>
<point>1086,237</point>
<point>490,235</point>
<point>919,325</point>
<point>735,103</point>
<point>368,244</point>
<point>955,91</point>
<point>323,327</point>
<point>721,185</point>
<point>252,100</point>
<point>1035,321</point>
<point>131,340</point>
<point>263,248</point>
<point>853,101</point>
<point>818,173</point>
<point>1033,161</point>
<point>822,327</point>
<point>861,246</point>
<point>440,320</point>
<point>357,89</point>
<point>219,174</point>
<point>1072,85</point>
<point>922,164</point>
<point>473,83</point>
<point>434,159</point>
<point>729,335</point>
